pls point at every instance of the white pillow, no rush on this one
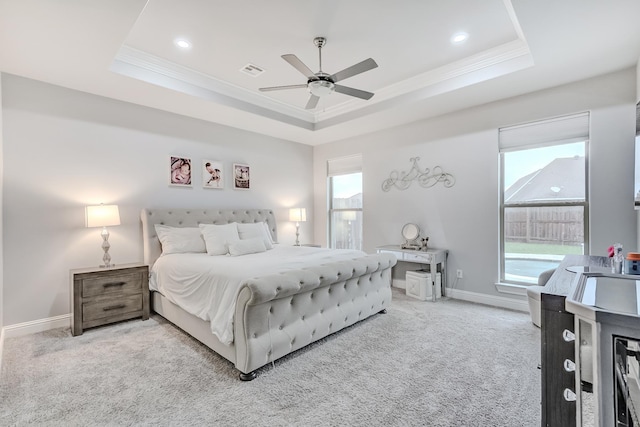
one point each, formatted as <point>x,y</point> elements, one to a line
<point>255,229</point>
<point>217,237</point>
<point>247,246</point>
<point>266,227</point>
<point>178,240</point>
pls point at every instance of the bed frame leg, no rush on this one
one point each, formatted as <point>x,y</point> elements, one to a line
<point>248,377</point>
<point>383,311</point>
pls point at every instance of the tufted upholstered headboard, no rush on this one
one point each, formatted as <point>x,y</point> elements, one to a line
<point>192,218</point>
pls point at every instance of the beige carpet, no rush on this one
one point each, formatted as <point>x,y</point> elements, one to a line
<point>448,363</point>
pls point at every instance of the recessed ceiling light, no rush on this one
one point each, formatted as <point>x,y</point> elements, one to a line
<point>458,38</point>
<point>182,43</point>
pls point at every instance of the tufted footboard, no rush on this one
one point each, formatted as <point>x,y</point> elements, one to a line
<point>281,313</point>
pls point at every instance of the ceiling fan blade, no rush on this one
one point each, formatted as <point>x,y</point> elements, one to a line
<point>360,67</point>
<point>298,65</point>
<point>268,89</point>
<point>312,103</point>
<point>353,92</point>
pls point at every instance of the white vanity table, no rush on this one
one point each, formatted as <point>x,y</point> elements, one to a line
<point>432,257</point>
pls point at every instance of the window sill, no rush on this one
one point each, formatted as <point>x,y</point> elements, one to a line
<point>509,288</point>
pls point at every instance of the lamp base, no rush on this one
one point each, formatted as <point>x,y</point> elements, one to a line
<point>297,243</point>
<point>106,258</point>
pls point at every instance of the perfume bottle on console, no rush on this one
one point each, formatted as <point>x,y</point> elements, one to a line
<point>617,260</point>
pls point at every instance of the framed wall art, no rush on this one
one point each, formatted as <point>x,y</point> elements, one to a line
<point>241,176</point>
<point>180,171</point>
<point>212,174</point>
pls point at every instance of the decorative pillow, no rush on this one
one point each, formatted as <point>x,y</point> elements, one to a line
<point>266,227</point>
<point>178,240</point>
<point>247,246</point>
<point>255,229</point>
<point>217,237</point>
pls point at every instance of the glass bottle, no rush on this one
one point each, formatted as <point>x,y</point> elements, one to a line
<point>617,262</point>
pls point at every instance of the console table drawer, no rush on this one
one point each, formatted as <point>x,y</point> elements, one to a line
<point>125,283</point>
<point>424,257</point>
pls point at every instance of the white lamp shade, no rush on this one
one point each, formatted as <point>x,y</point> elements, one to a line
<point>297,214</point>
<point>349,216</point>
<point>102,215</point>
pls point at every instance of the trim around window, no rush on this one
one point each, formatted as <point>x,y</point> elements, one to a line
<point>517,284</point>
<point>511,288</point>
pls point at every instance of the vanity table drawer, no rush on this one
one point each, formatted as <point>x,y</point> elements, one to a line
<point>417,257</point>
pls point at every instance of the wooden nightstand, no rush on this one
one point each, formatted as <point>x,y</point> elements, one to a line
<point>105,295</point>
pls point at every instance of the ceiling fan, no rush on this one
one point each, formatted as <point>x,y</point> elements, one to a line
<point>322,84</point>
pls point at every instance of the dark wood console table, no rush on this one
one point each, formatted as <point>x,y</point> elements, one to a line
<point>557,328</point>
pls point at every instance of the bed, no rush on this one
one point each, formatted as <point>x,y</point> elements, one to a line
<point>273,311</point>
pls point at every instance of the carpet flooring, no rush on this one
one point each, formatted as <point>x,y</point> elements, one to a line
<point>449,363</point>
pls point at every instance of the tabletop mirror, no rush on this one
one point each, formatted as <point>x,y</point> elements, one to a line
<point>411,234</point>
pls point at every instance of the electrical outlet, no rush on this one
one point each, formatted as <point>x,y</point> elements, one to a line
<point>459,274</point>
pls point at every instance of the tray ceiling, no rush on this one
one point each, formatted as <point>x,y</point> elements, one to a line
<point>126,49</point>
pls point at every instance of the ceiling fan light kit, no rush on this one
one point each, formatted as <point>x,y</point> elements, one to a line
<point>321,87</point>
<point>322,84</point>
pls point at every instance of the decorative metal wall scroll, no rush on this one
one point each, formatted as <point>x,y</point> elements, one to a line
<point>426,178</point>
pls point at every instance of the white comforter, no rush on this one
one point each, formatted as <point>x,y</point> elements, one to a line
<point>208,286</point>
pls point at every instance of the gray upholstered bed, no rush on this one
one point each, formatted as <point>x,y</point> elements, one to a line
<point>327,297</point>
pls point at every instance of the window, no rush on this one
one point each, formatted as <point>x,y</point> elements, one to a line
<point>544,207</point>
<point>345,203</point>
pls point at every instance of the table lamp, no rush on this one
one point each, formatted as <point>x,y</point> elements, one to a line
<point>349,216</point>
<point>298,215</point>
<point>103,216</point>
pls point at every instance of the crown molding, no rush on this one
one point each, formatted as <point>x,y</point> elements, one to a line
<point>503,59</point>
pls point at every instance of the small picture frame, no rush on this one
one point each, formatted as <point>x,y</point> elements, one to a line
<point>212,174</point>
<point>241,176</point>
<point>180,172</point>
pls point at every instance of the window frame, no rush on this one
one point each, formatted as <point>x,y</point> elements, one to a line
<point>332,210</point>
<point>584,204</point>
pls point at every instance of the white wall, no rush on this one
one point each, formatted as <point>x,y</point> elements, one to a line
<point>65,149</point>
<point>638,80</point>
<point>1,233</point>
<point>465,218</point>
<point>637,166</point>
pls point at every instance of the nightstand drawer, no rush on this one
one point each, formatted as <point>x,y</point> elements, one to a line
<point>111,307</point>
<point>112,284</point>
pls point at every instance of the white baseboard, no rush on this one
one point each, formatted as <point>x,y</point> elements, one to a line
<point>40,325</point>
<point>519,304</point>
<point>400,284</point>
<point>64,321</point>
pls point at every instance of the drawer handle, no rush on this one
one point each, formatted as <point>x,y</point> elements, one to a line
<point>113,284</point>
<point>568,336</point>
<point>114,307</point>
<point>569,366</point>
<point>569,395</point>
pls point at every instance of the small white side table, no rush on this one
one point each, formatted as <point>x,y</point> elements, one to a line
<point>431,256</point>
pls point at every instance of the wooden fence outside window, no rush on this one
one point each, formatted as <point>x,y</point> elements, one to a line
<point>555,225</point>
